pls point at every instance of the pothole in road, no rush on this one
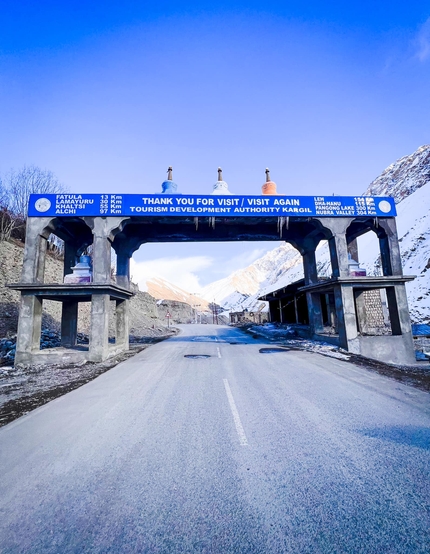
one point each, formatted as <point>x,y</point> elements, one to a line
<point>272,350</point>
<point>197,356</point>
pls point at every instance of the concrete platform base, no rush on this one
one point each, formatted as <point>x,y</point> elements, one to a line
<point>65,356</point>
<point>388,349</point>
<point>53,356</point>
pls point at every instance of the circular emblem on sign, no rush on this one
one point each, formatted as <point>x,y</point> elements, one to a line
<point>42,205</point>
<point>384,206</point>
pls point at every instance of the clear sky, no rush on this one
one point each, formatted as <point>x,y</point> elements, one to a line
<point>108,94</point>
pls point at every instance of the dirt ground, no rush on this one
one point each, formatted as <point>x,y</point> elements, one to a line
<point>23,390</point>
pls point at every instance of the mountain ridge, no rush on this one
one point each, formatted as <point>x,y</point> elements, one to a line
<point>408,181</point>
<point>161,289</point>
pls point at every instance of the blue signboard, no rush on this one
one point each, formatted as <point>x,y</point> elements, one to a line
<point>111,205</point>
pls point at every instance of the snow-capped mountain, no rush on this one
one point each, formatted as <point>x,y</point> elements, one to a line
<point>240,289</point>
<point>408,180</point>
<point>403,177</point>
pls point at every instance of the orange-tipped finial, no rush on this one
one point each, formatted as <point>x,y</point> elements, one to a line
<point>269,186</point>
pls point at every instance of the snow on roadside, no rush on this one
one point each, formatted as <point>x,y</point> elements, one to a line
<point>287,335</point>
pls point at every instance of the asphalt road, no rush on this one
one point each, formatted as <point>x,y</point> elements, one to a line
<point>241,452</point>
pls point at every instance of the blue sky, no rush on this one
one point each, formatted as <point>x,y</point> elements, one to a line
<point>108,94</point>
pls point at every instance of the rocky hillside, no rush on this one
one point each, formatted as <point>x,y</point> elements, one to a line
<point>408,181</point>
<point>147,316</point>
<point>163,290</point>
<point>403,177</point>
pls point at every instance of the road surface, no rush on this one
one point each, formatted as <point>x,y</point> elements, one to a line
<point>240,452</point>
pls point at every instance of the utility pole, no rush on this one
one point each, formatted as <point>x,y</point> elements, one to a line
<point>195,306</point>
<point>214,313</point>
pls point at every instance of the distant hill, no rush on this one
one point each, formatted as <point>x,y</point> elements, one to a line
<point>163,290</point>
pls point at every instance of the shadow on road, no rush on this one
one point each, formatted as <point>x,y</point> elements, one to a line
<point>407,435</point>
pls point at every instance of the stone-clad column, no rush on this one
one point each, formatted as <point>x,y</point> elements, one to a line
<point>99,332</point>
<point>29,328</point>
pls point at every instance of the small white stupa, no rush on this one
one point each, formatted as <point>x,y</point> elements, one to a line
<point>81,272</point>
<point>220,187</point>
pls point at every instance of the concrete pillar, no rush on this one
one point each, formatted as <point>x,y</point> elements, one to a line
<point>394,311</point>
<point>101,252</point>
<point>346,318</point>
<point>272,311</point>
<point>353,249</point>
<point>337,243</point>
<point>37,233</point>
<point>315,312</point>
<point>122,323</point>
<point>360,306</point>
<point>339,255</point>
<point>33,267</point>
<point>311,278</point>
<point>69,324</point>
<point>296,311</point>
<point>310,267</point>
<point>402,304</point>
<point>104,230</point>
<point>29,328</point>
<point>390,249</point>
<point>405,322</point>
<point>123,270</point>
<point>281,318</point>
<point>99,332</point>
<point>331,311</point>
<point>70,257</point>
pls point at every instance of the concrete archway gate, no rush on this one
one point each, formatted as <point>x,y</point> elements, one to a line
<point>125,222</point>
